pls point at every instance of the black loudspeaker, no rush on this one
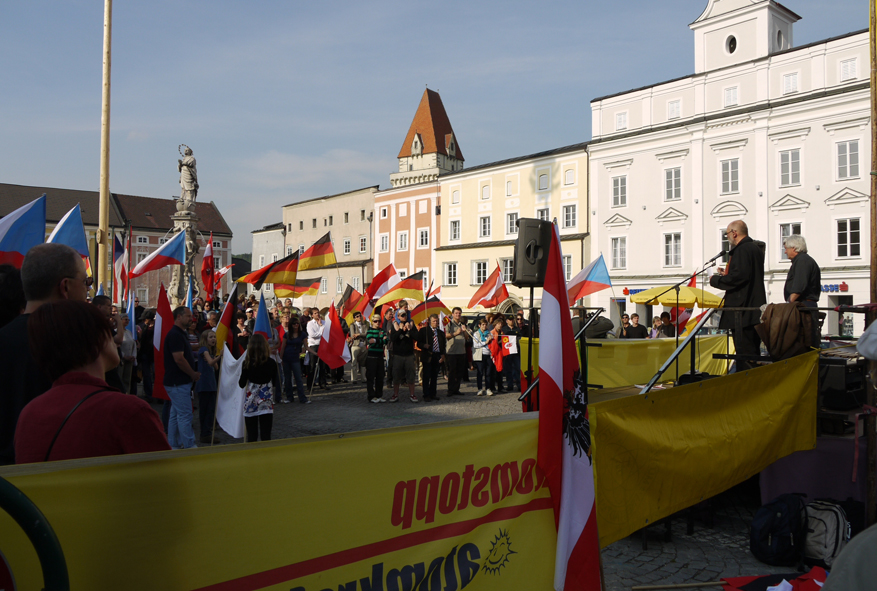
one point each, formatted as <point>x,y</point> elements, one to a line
<point>531,252</point>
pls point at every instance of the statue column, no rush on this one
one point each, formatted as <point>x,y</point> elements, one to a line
<point>184,220</point>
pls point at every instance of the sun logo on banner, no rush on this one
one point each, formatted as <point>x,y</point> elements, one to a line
<point>576,427</point>
<point>500,551</point>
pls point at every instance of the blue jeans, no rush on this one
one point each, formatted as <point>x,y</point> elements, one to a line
<point>290,369</point>
<point>485,371</point>
<point>179,427</point>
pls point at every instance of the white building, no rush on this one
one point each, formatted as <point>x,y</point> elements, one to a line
<point>268,246</point>
<point>772,134</point>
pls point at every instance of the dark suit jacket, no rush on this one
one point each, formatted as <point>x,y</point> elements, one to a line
<point>743,283</point>
<point>424,340</point>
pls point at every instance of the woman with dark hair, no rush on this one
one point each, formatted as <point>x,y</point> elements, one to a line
<point>260,380</point>
<point>290,354</point>
<point>80,416</point>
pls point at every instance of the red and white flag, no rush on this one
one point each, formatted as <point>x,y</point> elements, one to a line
<point>565,438</point>
<point>492,292</point>
<point>383,282</point>
<point>208,269</point>
<point>333,346</point>
<point>164,320</point>
<point>120,270</point>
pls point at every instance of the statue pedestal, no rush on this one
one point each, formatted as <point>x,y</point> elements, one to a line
<point>184,220</point>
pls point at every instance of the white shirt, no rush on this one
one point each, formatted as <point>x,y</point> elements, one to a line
<point>315,330</point>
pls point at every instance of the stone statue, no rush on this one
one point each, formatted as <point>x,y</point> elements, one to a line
<point>188,179</point>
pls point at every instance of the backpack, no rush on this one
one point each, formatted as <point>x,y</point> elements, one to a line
<point>778,530</point>
<point>828,531</point>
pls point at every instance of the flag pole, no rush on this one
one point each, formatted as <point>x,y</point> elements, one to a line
<point>104,203</point>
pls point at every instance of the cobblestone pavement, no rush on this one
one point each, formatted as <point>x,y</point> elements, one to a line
<point>708,554</point>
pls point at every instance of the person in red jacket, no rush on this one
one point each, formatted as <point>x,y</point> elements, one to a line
<point>80,416</point>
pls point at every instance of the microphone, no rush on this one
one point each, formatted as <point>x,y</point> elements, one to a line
<point>718,256</point>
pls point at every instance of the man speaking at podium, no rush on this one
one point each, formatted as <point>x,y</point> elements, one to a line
<point>743,282</point>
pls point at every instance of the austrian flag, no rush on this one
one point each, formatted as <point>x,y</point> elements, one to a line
<point>492,292</point>
<point>565,438</point>
<point>333,346</point>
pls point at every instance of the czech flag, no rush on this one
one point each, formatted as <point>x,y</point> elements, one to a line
<point>320,254</point>
<point>409,288</point>
<point>492,292</point>
<point>172,252</point>
<point>591,279</point>
<point>120,271</point>
<point>71,231</point>
<point>283,271</point>
<point>263,325</point>
<point>21,230</point>
<point>301,288</point>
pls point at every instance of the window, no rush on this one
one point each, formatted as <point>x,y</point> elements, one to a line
<point>162,240</point>
<point>301,225</point>
<point>569,176</point>
<point>425,279</point>
<point>324,285</point>
<point>731,97</point>
<point>848,160</point>
<point>848,70</point>
<point>569,216</point>
<point>384,242</point>
<point>423,238</point>
<point>730,176</point>
<point>620,121</point>
<point>619,252</point>
<point>362,244</point>
<point>314,223</point>
<point>450,274</point>
<point>142,240</point>
<point>289,228</point>
<point>455,197</point>
<point>383,213</point>
<point>673,250</point>
<point>726,245</point>
<point>542,214</point>
<point>355,283</point>
<point>479,272</point>
<point>673,184</point>
<point>261,260</point>
<point>217,264</point>
<point>346,217</point>
<point>511,223</point>
<point>508,188</point>
<point>454,232</point>
<point>790,83</point>
<point>508,270</point>
<point>218,244</point>
<point>325,222</point>
<point>484,227</point>
<point>619,191</point>
<point>403,273</point>
<point>274,258</point>
<point>543,182</point>
<point>339,285</point>
<point>402,241</point>
<point>362,215</point>
<point>567,267</point>
<point>140,257</point>
<point>301,249</point>
<point>848,238</point>
<point>674,109</point>
<point>790,168</point>
<point>485,192</point>
<point>787,230</point>
<point>330,220</point>
<point>347,246</point>
<point>288,250</point>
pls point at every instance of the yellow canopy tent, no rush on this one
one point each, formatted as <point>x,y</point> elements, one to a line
<point>688,297</point>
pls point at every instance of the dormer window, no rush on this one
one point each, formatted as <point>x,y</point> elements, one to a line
<point>417,145</point>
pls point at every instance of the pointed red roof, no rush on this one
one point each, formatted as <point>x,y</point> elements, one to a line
<point>434,127</point>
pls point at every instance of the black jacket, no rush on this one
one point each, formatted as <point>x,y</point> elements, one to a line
<point>424,340</point>
<point>743,283</point>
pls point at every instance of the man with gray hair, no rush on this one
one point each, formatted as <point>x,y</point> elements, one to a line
<point>50,272</point>
<point>804,281</point>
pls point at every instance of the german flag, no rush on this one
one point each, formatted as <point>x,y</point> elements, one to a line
<point>426,309</point>
<point>319,255</point>
<point>355,302</point>
<point>282,271</point>
<point>301,288</point>
<point>410,288</point>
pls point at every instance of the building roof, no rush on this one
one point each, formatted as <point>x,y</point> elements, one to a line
<point>432,123</point>
<point>374,187</point>
<point>755,61</point>
<point>150,213</point>
<point>269,228</point>
<point>58,203</point>
<point>537,155</point>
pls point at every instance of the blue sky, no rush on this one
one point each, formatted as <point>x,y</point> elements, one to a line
<point>286,100</point>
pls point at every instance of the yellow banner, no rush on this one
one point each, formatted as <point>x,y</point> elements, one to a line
<point>451,507</point>
<point>659,453</point>
<point>622,362</point>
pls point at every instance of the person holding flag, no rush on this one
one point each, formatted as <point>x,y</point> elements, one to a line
<point>315,332</point>
<point>403,335</point>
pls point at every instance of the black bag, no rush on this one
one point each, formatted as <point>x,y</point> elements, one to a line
<point>778,531</point>
<point>828,531</point>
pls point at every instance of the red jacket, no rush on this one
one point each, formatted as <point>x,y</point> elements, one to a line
<point>109,423</point>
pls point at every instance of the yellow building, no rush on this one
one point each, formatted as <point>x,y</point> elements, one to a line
<point>480,207</point>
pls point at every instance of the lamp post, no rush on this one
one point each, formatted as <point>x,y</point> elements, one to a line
<point>371,217</point>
